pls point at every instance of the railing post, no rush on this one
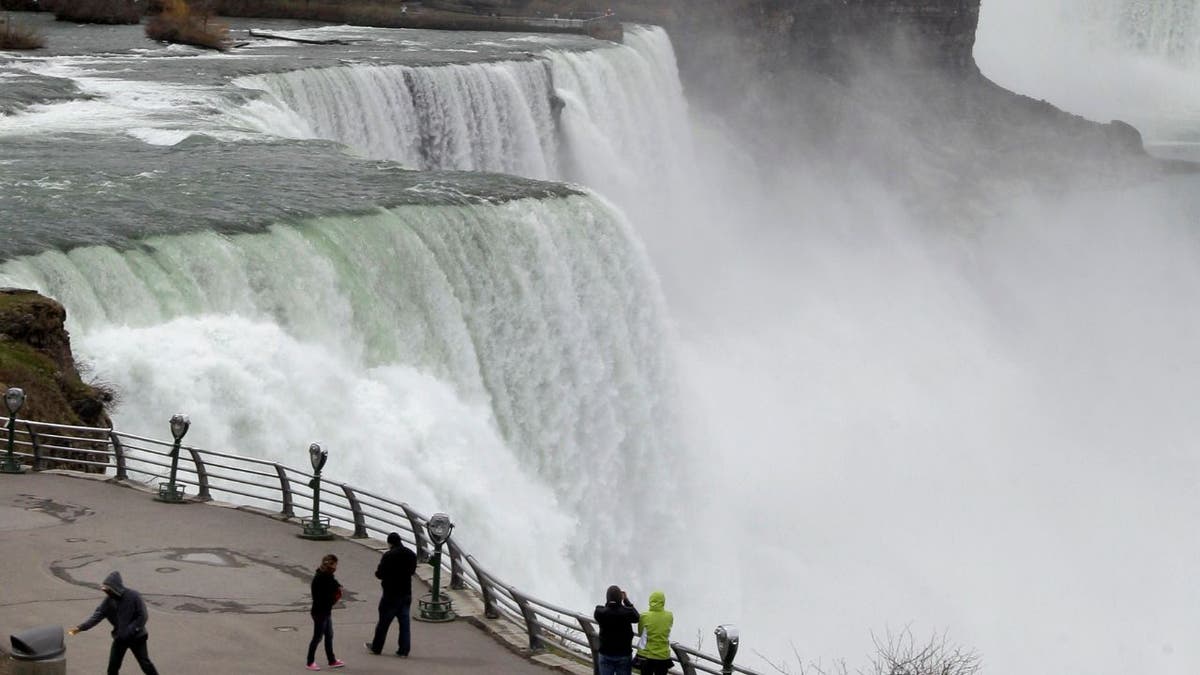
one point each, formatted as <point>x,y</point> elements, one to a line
<point>118,454</point>
<point>485,587</point>
<point>456,567</point>
<point>201,476</point>
<point>423,552</point>
<point>360,520</point>
<point>285,487</point>
<point>531,621</point>
<point>37,449</point>
<point>685,661</point>
<point>593,638</point>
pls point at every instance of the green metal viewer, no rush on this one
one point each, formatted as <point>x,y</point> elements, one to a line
<point>172,492</point>
<point>318,527</point>
<point>14,398</point>
<point>435,607</point>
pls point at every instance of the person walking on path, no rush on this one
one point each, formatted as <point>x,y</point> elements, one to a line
<point>126,611</point>
<point>616,618</point>
<point>326,591</point>
<point>395,572</point>
<point>656,624</point>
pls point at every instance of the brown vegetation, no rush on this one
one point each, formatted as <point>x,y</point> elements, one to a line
<point>16,36</point>
<point>178,23</point>
<point>94,11</point>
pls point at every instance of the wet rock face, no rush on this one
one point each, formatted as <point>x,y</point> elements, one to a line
<point>821,35</point>
<point>893,82</point>
<point>935,32</point>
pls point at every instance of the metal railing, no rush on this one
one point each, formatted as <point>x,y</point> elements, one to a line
<point>285,491</point>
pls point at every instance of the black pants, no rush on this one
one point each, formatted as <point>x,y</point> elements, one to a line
<point>322,629</point>
<point>656,666</point>
<point>138,646</point>
<point>398,609</point>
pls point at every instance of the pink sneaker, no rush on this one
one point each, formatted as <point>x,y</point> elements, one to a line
<point>312,666</point>
<point>337,664</point>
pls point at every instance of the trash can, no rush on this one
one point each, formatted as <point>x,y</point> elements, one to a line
<point>38,651</point>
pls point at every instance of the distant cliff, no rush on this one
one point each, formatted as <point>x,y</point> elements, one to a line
<point>823,35</point>
<point>888,87</point>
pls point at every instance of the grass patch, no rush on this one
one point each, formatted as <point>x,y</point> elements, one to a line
<point>16,36</point>
<point>96,11</point>
<point>51,394</point>
<point>176,22</point>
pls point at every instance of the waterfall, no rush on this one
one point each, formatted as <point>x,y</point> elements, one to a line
<point>471,355</point>
<point>476,117</point>
<point>498,116</point>
<point>1164,28</point>
<point>538,322</point>
<point>1168,29</point>
<point>1134,60</point>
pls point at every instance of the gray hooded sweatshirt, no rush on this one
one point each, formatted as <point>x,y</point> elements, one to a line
<point>123,608</point>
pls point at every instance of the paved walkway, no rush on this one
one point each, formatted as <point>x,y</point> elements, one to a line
<point>227,589</point>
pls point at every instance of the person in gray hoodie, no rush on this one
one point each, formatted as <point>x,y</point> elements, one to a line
<point>125,610</point>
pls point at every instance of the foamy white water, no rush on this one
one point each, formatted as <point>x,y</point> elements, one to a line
<point>516,347</point>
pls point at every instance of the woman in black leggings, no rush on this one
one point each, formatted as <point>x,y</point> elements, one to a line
<point>326,591</point>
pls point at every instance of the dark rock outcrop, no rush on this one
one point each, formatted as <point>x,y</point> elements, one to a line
<point>885,88</point>
<point>774,36</point>
<point>35,355</point>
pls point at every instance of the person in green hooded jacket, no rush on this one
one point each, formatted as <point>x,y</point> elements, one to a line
<point>656,624</point>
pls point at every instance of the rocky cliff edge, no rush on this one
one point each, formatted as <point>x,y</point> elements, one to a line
<point>35,355</point>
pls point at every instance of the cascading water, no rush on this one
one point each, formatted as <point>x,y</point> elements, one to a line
<point>498,116</point>
<point>1169,29</point>
<point>469,355</point>
<point>518,330</point>
<point>1165,28</point>
<point>1130,59</point>
<point>477,117</point>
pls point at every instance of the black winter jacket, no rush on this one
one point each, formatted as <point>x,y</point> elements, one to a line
<point>325,589</point>
<point>616,627</point>
<point>126,611</point>
<point>395,571</point>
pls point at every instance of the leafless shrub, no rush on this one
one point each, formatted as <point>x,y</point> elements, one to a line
<point>895,654</point>
<point>177,22</point>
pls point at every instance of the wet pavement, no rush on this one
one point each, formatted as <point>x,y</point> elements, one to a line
<point>227,588</point>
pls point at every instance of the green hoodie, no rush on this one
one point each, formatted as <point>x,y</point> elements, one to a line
<point>657,623</point>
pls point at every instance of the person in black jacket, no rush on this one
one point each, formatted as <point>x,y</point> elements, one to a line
<point>125,610</point>
<point>616,618</point>
<point>394,572</point>
<point>326,591</point>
